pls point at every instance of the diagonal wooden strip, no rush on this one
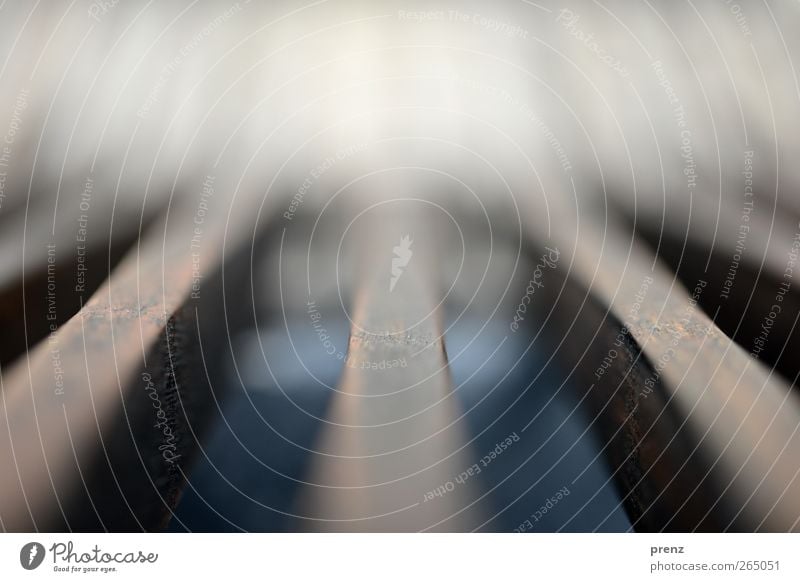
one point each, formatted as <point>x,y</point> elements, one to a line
<point>55,262</point>
<point>700,434</point>
<point>392,454</point>
<point>749,258</point>
<point>98,422</point>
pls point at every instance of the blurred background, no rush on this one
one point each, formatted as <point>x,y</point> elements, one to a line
<point>399,266</point>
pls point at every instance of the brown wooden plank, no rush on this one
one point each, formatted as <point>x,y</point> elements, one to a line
<point>699,433</point>
<point>395,442</point>
<point>54,261</point>
<point>101,418</point>
<point>750,255</point>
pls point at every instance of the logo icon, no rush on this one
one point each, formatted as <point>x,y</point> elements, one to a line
<point>31,555</point>
<point>402,256</point>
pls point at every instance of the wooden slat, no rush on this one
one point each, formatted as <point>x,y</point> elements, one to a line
<point>99,420</point>
<point>700,435</point>
<point>56,259</point>
<point>394,434</point>
<point>750,260</point>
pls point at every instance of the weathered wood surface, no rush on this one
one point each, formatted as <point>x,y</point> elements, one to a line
<point>395,440</point>
<point>701,435</point>
<point>101,418</point>
<point>749,255</point>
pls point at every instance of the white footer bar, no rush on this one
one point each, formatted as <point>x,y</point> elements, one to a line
<point>402,557</point>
